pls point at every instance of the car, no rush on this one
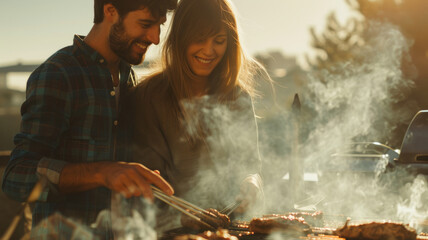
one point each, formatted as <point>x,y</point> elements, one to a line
<point>414,149</point>
<point>360,158</point>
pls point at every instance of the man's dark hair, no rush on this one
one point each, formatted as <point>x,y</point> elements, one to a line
<point>158,8</point>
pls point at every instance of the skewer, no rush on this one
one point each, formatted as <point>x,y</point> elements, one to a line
<point>230,208</point>
<point>167,201</point>
<point>224,210</point>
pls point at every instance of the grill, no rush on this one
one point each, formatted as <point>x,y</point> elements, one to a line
<point>240,230</point>
<point>412,157</point>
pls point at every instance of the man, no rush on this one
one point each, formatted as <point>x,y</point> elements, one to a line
<point>71,131</point>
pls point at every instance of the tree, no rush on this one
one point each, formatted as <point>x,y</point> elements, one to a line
<point>336,43</point>
<point>411,16</point>
<point>345,50</point>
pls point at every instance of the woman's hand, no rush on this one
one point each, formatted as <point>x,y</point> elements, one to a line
<point>250,193</point>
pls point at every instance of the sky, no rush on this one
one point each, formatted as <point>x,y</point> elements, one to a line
<point>33,30</point>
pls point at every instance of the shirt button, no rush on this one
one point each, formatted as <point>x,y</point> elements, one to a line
<point>115,123</point>
<point>101,60</point>
<point>112,93</point>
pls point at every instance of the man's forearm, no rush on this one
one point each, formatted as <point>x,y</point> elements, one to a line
<point>79,177</point>
<point>129,179</point>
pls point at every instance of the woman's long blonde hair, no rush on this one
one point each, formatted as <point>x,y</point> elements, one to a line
<point>196,20</point>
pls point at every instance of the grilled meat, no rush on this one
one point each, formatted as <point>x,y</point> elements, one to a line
<point>377,231</point>
<point>290,224</point>
<point>215,219</point>
<point>221,234</point>
<point>311,218</point>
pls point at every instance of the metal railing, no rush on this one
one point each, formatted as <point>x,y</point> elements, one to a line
<point>4,158</point>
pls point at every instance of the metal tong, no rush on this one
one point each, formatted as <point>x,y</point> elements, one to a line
<point>186,208</point>
<point>231,207</point>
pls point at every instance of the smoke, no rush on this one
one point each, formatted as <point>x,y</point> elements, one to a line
<point>128,219</point>
<point>57,226</point>
<point>357,102</point>
<point>139,224</point>
<point>412,209</point>
<point>226,153</point>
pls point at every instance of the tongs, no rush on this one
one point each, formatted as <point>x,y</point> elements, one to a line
<point>309,204</point>
<point>231,207</point>
<point>186,208</point>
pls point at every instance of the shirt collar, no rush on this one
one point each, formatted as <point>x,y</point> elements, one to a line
<point>78,43</point>
<point>94,55</point>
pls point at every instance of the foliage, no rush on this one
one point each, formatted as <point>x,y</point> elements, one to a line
<point>339,47</point>
<point>336,43</point>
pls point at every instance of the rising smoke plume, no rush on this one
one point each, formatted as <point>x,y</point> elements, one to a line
<point>358,103</point>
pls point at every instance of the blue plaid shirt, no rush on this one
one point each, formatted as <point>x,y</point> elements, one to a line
<point>70,116</point>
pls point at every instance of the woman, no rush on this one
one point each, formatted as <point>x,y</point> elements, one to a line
<point>195,121</point>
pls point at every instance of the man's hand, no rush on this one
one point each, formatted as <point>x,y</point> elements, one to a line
<point>129,179</point>
<point>132,179</point>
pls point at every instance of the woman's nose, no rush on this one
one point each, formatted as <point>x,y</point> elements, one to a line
<point>208,48</point>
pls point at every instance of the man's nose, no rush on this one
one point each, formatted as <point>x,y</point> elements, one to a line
<point>153,35</point>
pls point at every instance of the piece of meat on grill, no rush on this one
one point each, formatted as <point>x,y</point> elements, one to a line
<point>311,218</point>
<point>287,224</point>
<point>221,234</point>
<point>215,219</point>
<point>377,231</point>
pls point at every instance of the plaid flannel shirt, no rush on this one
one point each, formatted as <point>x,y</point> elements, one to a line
<point>69,116</point>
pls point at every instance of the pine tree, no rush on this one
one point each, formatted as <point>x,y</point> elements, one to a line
<point>342,45</point>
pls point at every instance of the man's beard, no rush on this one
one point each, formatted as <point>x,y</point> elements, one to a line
<point>121,44</point>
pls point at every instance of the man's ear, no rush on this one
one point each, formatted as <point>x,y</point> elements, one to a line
<point>110,12</point>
